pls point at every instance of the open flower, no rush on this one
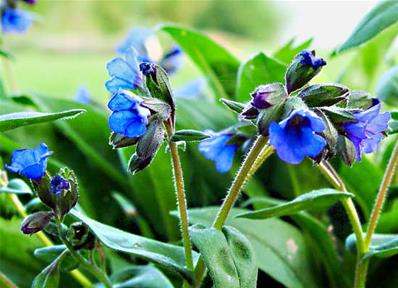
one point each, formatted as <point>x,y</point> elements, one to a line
<point>125,73</point>
<point>129,117</point>
<point>295,137</point>
<point>15,20</point>
<point>217,149</point>
<point>31,162</point>
<point>367,132</point>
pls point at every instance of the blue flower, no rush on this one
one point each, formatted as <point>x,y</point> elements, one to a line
<point>15,20</point>
<point>59,184</point>
<point>192,89</point>
<point>135,38</point>
<point>129,117</point>
<point>173,60</point>
<point>366,133</point>
<point>125,73</point>
<point>217,149</point>
<point>83,95</point>
<point>309,59</point>
<point>31,162</point>
<point>295,137</point>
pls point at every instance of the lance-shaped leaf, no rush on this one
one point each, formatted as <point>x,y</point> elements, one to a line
<point>49,254</point>
<point>19,119</point>
<point>382,245</point>
<point>323,94</point>
<point>228,255</point>
<point>383,15</point>
<point>189,135</point>
<point>168,256</point>
<point>217,64</point>
<point>313,199</point>
<point>49,277</point>
<point>16,186</point>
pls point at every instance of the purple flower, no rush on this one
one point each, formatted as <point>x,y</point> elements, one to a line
<point>125,73</point>
<point>147,68</point>
<point>15,20</point>
<point>31,162</point>
<point>366,133</point>
<point>309,59</point>
<point>217,149</point>
<point>129,118</point>
<point>59,184</point>
<point>295,137</point>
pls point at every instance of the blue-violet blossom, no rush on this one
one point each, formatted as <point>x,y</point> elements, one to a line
<point>15,20</point>
<point>309,59</point>
<point>367,132</point>
<point>59,184</point>
<point>295,137</point>
<point>83,95</point>
<point>125,73</point>
<point>129,117</point>
<point>31,162</point>
<point>217,149</point>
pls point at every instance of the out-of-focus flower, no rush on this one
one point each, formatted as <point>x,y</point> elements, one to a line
<point>135,38</point>
<point>31,162</point>
<point>128,117</point>
<point>125,73</point>
<point>217,149</point>
<point>367,132</point>
<point>83,95</point>
<point>172,60</point>
<point>192,89</point>
<point>14,20</point>
<point>295,137</point>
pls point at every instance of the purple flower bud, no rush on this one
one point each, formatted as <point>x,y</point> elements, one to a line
<point>268,95</point>
<point>36,222</point>
<point>147,68</point>
<point>59,184</point>
<point>308,58</point>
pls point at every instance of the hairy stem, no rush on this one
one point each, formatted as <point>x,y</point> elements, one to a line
<point>83,280</point>
<point>98,273</point>
<point>349,207</point>
<point>240,180</point>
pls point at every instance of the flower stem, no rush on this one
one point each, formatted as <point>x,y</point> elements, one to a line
<point>381,196</point>
<point>181,198</point>
<point>240,180</point>
<point>83,280</point>
<point>5,282</point>
<point>98,273</point>
<point>349,207</point>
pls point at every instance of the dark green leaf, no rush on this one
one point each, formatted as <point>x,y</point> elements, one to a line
<point>279,247</point>
<point>16,186</point>
<point>189,135</point>
<point>216,63</point>
<point>383,15</point>
<point>258,70</point>
<point>310,200</point>
<point>49,254</point>
<point>140,277</point>
<point>19,119</point>
<point>49,277</point>
<point>168,256</point>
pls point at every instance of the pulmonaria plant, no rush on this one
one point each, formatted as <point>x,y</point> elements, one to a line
<point>13,19</point>
<point>304,120</point>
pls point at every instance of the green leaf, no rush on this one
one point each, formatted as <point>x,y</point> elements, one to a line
<point>313,199</point>
<point>49,254</point>
<point>382,245</point>
<point>387,87</point>
<point>383,15</point>
<point>217,64</point>
<point>146,276</point>
<point>279,247</point>
<point>16,186</point>
<point>228,255</point>
<point>287,52</point>
<point>189,135</point>
<point>168,256</point>
<point>258,70</point>
<point>49,277</point>
<point>19,119</point>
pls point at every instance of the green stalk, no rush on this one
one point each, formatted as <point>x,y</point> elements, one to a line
<point>349,207</point>
<point>240,180</point>
<point>5,282</point>
<point>181,198</point>
<point>374,218</point>
<point>98,273</point>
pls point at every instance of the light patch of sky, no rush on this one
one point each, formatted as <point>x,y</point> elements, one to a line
<point>330,23</point>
